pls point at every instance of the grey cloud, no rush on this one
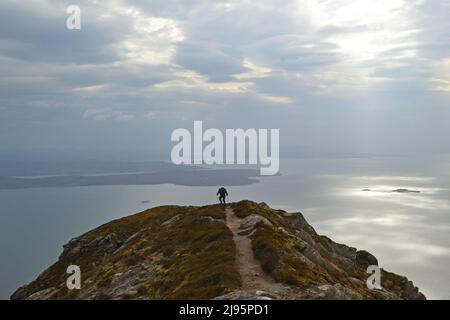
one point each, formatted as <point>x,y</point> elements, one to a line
<point>333,30</point>
<point>208,60</point>
<point>294,53</point>
<point>54,82</point>
<point>39,37</point>
<point>398,73</point>
<point>434,29</point>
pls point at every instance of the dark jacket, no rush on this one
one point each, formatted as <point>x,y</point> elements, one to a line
<point>222,192</point>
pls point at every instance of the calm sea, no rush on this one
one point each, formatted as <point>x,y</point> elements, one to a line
<point>407,232</point>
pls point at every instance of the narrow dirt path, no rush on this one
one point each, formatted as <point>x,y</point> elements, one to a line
<point>252,275</point>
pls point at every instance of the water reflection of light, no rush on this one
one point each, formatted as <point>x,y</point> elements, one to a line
<point>407,232</point>
<point>424,199</point>
<point>395,178</point>
<point>402,234</point>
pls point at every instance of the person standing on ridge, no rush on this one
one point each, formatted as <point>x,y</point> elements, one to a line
<point>222,193</point>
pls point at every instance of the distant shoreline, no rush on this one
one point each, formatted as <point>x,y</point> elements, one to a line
<point>191,177</point>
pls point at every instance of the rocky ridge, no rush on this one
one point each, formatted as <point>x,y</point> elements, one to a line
<point>244,251</point>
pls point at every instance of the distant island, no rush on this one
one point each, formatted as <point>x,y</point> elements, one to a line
<point>245,250</point>
<point>405,191</point>
<point>401,190</point>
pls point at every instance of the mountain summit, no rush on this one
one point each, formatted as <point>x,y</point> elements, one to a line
<point>244,250</point>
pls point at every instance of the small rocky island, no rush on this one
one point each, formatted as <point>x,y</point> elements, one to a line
<point>401,190</point>
<point>243,251</point>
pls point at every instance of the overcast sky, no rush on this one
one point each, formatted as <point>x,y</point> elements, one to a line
<point>347,76</point>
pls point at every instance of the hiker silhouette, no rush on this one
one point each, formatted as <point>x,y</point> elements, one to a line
<point>222,193</point>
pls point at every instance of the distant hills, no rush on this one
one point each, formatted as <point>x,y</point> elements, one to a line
<point>68,167</point>
<point>41,174</point>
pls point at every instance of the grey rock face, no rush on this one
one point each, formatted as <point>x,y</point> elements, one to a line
<point>249,223</point>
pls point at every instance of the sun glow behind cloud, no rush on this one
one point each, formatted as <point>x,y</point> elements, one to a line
<point>368,34</point>
<point>441,79</point>
<point>154,40</point>
<point>373,26</point>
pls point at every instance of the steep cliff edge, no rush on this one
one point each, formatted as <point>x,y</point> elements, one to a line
<point>243,251</point>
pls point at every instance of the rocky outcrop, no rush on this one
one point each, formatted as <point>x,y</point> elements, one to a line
<point>175,252</point>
